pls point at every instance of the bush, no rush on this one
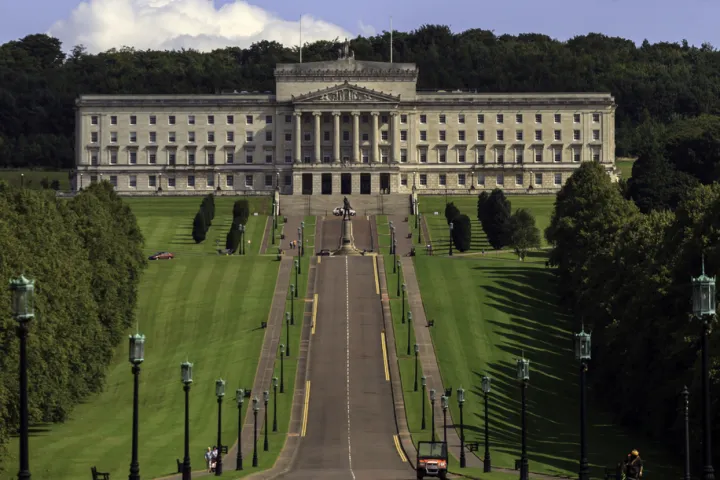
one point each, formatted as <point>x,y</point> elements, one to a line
<point>524,235</point>
<point>199,227</point>
<point>462,232</point>
<point>232,240</point>
<point>241,211</point>
<point>496,221</point>
<point>451,211</point>
<point>482,200</point>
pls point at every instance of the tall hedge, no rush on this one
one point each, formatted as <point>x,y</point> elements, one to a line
<point>232,240</point>
<point>241,211</point>
<point>462,232</point>
<point>199,230</point>
<point>451,211</point>
<point>86,257</point>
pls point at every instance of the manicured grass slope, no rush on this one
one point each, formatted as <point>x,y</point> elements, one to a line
<point>202,307</point>
<point>32,178</point>
<point>540,205</point>
<point>490,311</point>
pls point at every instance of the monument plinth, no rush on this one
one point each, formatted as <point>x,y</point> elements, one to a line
<point>347,241</point>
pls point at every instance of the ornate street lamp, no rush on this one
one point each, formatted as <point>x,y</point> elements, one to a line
<point>398,277</point>
<point>275,385</point>
<point>186,377</point>
<point>419,229</point>
<point>255,407</point>
<point>266,399</point>
<point>703,302</point>
<point>417,214</point>
<point>287,334</point>
<point>297,271</point>
<point>240,399</point>
<point>23,296</point>
<point>451,240</point>
<point>282,368</point>
<point>523,374</point>
<point>423,381</point>
<point>409,327</point>
<point>583,354</point>
<point>417,352</point>
<point>302,237</point>
<point>292,305</point>
<point>444,405</point>
<point>273,221</point>
<point>486,381</point>
<point>461,401</point>
<point>136,357</point>
<point>404,289</point>
<point>686,405</point>
<point>432,413</point>
<point>219,393</point>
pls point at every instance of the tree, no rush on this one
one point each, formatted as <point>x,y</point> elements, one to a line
<point>199,229</point>
<point>451,211</point>
<point>232,239</point>
<point>657,185</point>
<point>241,211</point>
<point>496,223</point>
<point>462,232</point>
<point>524,235</point>
<point>482,199</point>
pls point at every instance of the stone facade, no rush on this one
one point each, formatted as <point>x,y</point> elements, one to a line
<point>344,126</point>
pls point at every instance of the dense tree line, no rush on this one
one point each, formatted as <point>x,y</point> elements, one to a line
<point>626,275</point>
<point>653,82</point>
<point>85,255</point>
<point>504,228</point>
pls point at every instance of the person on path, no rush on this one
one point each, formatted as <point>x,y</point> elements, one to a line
<point>633,466</point>
<point>208,458</point>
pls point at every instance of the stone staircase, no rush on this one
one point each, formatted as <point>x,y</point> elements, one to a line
<point>393,204</point>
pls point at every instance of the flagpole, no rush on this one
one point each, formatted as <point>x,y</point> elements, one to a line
<point>391,41</point>
<point>301,44</point>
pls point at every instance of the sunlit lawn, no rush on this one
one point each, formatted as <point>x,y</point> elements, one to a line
<point>33,178</point>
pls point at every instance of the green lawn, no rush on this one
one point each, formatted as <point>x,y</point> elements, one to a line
<point>625,165</point>
<point>540,205</point>
<point>33,178</point>
<point>490,311</point>
<point>188,308</point>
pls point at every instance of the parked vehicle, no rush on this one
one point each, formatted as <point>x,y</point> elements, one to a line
<point>432,460</point>
<point>162,256</point>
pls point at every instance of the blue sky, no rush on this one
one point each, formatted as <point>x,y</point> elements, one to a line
<point>102,24</point>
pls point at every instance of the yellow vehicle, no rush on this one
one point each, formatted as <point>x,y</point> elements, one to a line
<point>432,460</point>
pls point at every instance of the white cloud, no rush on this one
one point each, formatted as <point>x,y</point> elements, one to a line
<point>173,24</point>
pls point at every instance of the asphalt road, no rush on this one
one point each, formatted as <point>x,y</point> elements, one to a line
<point>350,424</point>
<point>332,230</point>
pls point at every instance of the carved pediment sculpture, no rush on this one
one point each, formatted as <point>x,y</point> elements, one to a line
<point>347,94</point>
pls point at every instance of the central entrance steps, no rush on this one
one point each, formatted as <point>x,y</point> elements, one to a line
<point>390,204</point>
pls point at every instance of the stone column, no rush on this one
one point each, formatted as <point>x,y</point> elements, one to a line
<point>395,144</point>
<point>298,137</point>
<point>336,136</point>
<point>318,139</point>
<point>374,153</point>
<point>356,137</point>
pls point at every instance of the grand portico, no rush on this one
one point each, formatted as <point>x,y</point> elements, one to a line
<point>343,126</point>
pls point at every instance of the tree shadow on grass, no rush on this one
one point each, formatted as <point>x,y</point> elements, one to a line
<point>540,332</point>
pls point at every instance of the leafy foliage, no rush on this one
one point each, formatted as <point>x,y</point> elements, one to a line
<point>200,229</point>
<point>495,219</point>
<point>241,211</point>
<point>524,234</point>
<point>482,199</point>
<point>451,211</point>
<point>86,257</point>
<point>462,232</point>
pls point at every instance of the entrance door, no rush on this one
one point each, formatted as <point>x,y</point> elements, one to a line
<point>384,183</point>
<point>346,183</point>
<point>307,184</point>
<point>365,184</point>
<point>326,184</point>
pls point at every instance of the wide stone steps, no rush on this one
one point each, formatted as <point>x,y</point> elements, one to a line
<point>393,204</point>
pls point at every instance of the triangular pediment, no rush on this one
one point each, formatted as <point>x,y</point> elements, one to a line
<point>346,93</point>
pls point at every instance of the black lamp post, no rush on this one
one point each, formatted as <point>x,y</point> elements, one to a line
<point>403,288</point>
<point>703,300</point>
<point>241,228</point>
<point>136,357</point>
<point>392,240</point>
<point>417,214</point>
<point>266,399</point>
<point>23,310</point>
<point>686,395</point>
<point>297,271</point>
<point>444,405</point>
<point>282,368</point>
<point>450,242</point>
<point>186,376</point>
<point>273,221</point>
<point>432,414</point>
<point>219,393</point>
<point>302,239</point>
<point>299,232</point>
<point>397,263</point>
<point>417,224</point>
<point>487,466</point>
<point>275,385</point>
<point>409,325</point>
<point>461,401</point>
<point>423,381</point>
<point>417,352</point>
<point>523,374</point>
<point>394,249</point>
<point>292,305</point>
<point>256,407</point>
<point>287,334</point>
<point>240,399</point>
<point>582,353</point>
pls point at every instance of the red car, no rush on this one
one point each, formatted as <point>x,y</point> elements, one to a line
<point>162,256</point>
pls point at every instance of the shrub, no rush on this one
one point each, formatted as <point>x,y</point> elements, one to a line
<point>524,235</point>
<point>496,221</point>
<point>451,211</point>
<point>232,240</point>
<point>241,211</point>
<point>199,227</point>
<point>462,232</point>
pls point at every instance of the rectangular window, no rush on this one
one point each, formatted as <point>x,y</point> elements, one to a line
<point>596,118</point>
<point>538,135</point>
<point>268,136</point>
<point>152,137</point>
<point>383,119</point>
<point>557,135</point>
<point>423,179</point>
<point>248,158</point>
<point>500,179</point>
<point>133,137</point>
<point>306,137</point>
<point>481,179</point>
<point>461,156</point>
<point>442,179</point>
<point>133,119</point>
<point>518,155</point>
<point>403,180</point>
<point>518,179</point>
<point>481,135</point>
<point>576,155</point>
<point>423,157</point>
<point>441,135</point>
<point>113,119</point>
<point>326,136</point>
<point>518,118</point>
<point>133,158</point>
<point>171,182</point>
<point>576,135</point>
<point>113,180</point>
<point>268,158</point>
<point>383,157</point>
<point>268,119</point>
<point>403,155</point>
<point>171,119</point>
<point>403,118</point>
<point>384,135</point>
<point>191,180</point>
<point>441,118</point>
<point>596,135</point>
<point>538,118</point>
<point>423,135</point>
<point>557,155</point>
<point>191,137</point>
<point>480,118</point>
<point>500,135</point>
<point>481,156</point>
<point>171,137</point>
<point>268,181</point>
<point>248,180</point>
<point>152,119</point>
<point>442,157</point>
<point>461,118</point>
<point>230,180</point>
<point>288,137</point>
<point>576,118</point>
<point>558,118</point>
<point>538,179</point>
<point>288,156</point>
<point>94,120</point>
<point>171,158</point>
<point>191,158</point>
<point>113,157</point>
<point>152,158</point>
<point>230,119</point>
<point>499,118</point>
<point>93,137</point>
<point>248,136</point>
<point>461,179</point>
<point>519,135</point>
<point>306,159</point>
<point>288,180</point>
<point>230,137</point>
<point>229,157</point>
<point>500,155</point>
<point>152,181</point>
<point>211,137</point>
<point>461,136</point>
<point>345,135</point>
<point>288,118</point>
<point>211,119</point>
<point>113,137</point>
<point>346,118</point>
<point>191,119</point>
<point>596,155</point>
<point>364,118</point>
<point>423,118</point>
<point>365,157</point>
<point>538,155</point>
<point>558,179</point>
<point>210,179</point>
<point>403,135</point>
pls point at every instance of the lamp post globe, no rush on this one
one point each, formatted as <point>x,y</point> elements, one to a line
<point>486,383</point>
<point>186,378</point>
<point>219,393</point>
<point>523,375</point>
<point>703,308</point>
<point>461,402</point>
<point>583,354</point>
<point>239,399</point>
<point>275,387</point>
<point>23,297</point>
<point>136,356</point>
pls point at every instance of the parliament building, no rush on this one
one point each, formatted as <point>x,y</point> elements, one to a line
<point>341,127</point>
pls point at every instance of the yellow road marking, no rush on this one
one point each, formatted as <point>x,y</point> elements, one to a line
<point>307,403</point>
<point>396,439</point>
<point>314,312</point>
<point>319,260</point>
<point>385,356</point>
<point>377,280</point>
